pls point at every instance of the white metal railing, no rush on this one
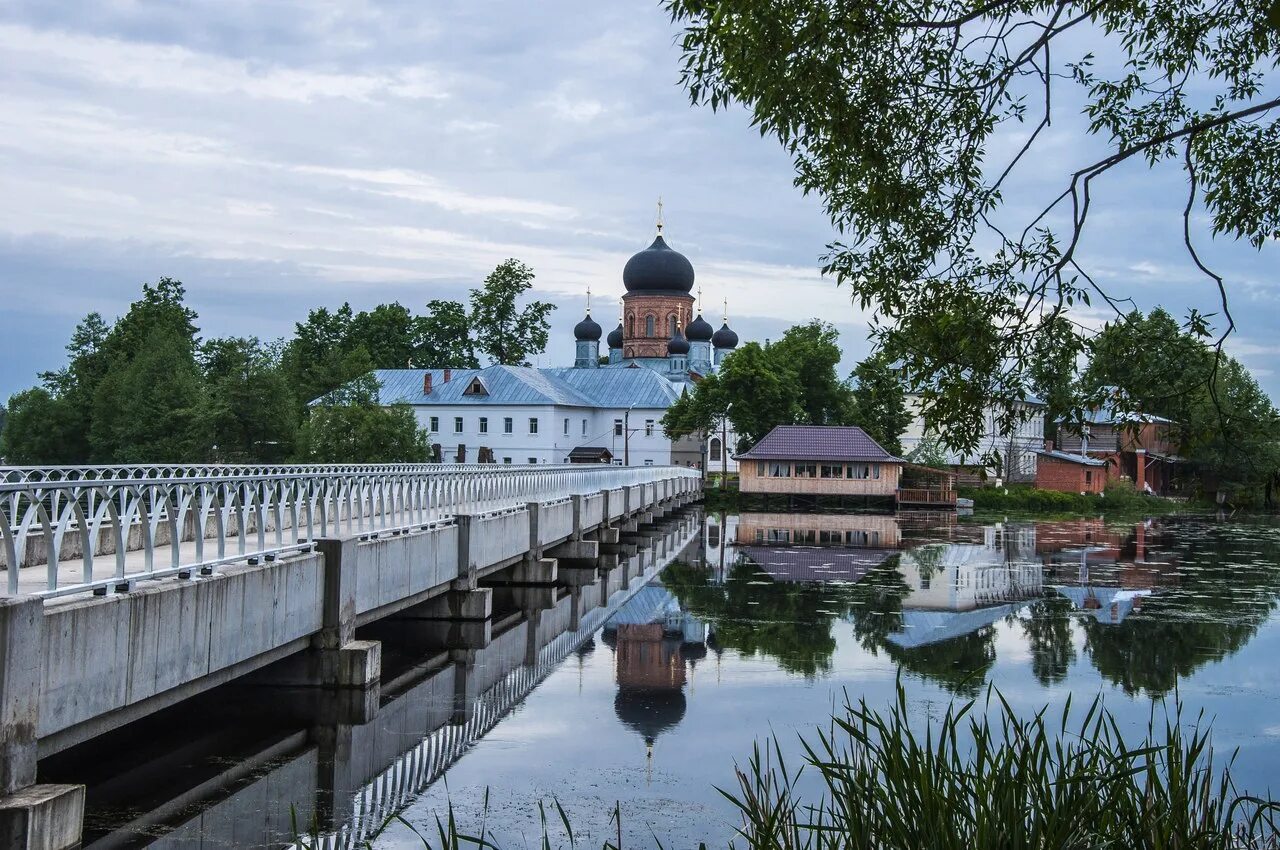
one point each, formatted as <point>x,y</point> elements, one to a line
<point>158,521</point>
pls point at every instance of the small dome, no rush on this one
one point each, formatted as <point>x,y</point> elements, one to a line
<point>587,329</point>
<point>615,337</point>
<point>725,337</point>
<point>678,344</point>
<point>658,268</point>
<point>699,330</point>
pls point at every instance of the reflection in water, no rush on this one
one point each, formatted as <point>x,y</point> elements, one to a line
<point>1153,601</point>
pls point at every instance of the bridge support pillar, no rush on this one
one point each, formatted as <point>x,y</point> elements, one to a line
<point>338,659</point>
<point>609,536</point>
<point>31,816</point>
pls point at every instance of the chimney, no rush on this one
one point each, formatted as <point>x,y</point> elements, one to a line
<point>426,383</point>
<point>448,373</point>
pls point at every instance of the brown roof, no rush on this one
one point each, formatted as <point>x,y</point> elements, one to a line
<point>818,442</point>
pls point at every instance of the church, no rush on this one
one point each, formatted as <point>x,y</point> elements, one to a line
<point>603,409</point>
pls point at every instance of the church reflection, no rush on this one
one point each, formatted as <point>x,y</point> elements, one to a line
<point>656,645</point>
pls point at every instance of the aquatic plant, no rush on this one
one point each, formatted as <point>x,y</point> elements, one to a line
<point>983,777</point>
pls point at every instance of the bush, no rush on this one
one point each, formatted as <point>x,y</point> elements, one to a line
<point>1117,498</point>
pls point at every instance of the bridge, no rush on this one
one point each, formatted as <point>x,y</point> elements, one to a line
<point>131,589</point>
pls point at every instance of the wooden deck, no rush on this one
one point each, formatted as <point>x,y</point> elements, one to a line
<point>931,497</point>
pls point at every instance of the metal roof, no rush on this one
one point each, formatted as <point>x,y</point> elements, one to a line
<point>618,388</point>
<point>815,563</point>
<point>819,442</point>
<point>524,385</point>
<point>1070,458</point>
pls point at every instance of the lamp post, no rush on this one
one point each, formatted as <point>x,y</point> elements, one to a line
<point>626,436</point>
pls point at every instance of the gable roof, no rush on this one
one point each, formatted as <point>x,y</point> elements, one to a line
<point>818,442</point>
<point>525,385</point>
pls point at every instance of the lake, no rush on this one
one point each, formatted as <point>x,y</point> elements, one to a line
<point>736,628</point>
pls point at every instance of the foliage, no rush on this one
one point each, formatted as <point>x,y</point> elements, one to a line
<point>1026,498</point>
<point>984,773</point>
<point>908,117</point>
<point>880,399</point>
<point>350,426</point>
<point>929,452</point>
<point>505,333</point>
<point>249,406</point>
<point>36,428</point>
<point>445,336</point>
<point>758,388</point>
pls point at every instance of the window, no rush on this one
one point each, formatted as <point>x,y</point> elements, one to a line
<point>875,470</point>
<point>806,470</point>
<point>714,450</point>
<point>631,326</point>
<point>649,462</point>
<point>617,427</point>
<point>566,427</point>
<point>648,427</point>
<point>671,325</point>
<point>457,424</point>
<point>533,424</point>
<point>475,388</point>
<point>1088,478</point>
<point>779,470</point>
<point>584,427</point>
<point>507,425</point>
<point>858,470</point>
<point>484,424</point>
<point>804,535</point>
<point>435,423</point>
<point>533,461</point>
<point>648,326</point>
<point>760,468</point>
<point>713,536</point>
<point>832,470</point>
<point>507,461</point>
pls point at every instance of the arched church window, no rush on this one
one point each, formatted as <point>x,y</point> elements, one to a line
<point>671,325</point>
<point>648,325</point>
<point>715,449</point>
<point>631,324</point>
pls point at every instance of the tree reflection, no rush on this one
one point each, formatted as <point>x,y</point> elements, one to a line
<point>1048,633</point>
<point>757,616</point>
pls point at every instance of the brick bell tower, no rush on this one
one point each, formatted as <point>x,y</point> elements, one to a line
<point>659,281</point>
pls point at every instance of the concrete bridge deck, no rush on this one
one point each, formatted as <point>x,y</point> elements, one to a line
<point>80,659</point>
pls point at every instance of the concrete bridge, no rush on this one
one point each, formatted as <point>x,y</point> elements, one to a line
<point>132,589</point>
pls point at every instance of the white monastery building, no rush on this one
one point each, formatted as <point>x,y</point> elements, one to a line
<point>592,412</point>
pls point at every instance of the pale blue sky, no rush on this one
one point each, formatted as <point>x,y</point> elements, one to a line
<point>282,156</point>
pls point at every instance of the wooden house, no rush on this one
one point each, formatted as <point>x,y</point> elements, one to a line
<point>819,460</point>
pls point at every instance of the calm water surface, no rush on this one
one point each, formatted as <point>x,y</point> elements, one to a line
<point>643,689</point>
<point>767,625</point>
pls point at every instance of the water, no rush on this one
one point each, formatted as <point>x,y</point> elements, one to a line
<point>763,625</point>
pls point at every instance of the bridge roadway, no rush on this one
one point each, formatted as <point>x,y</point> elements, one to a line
<point>171,599</point>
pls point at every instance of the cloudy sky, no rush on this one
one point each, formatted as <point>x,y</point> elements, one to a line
<point>277,156</point>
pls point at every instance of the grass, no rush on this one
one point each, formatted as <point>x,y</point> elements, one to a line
<point>980,778</point>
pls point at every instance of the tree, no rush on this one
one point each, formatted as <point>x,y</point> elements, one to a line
<point>444,337</point>
<point>319,358</point>
<point>881,401</point>
<point>506,333</point>
<point>35,429</point>
<point>898,115</point>
<point>759,395</point>
<point>809,354</point>
<point>150,410</point>
<point>389,332</point>
<point>249,407</point>
<point>351,426</point>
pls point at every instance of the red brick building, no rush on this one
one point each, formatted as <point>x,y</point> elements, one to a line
<point>1071,473</point>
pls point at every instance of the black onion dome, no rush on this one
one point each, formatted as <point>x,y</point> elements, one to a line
<point>615,337</point>
<point>699,330</point>
<point>658,268</point>
<point>725,337</point>
<point>649,711</point>
<point>587,329</point>
<point>678,344</point>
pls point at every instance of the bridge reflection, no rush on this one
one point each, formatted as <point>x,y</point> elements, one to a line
<point>267,758</point>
